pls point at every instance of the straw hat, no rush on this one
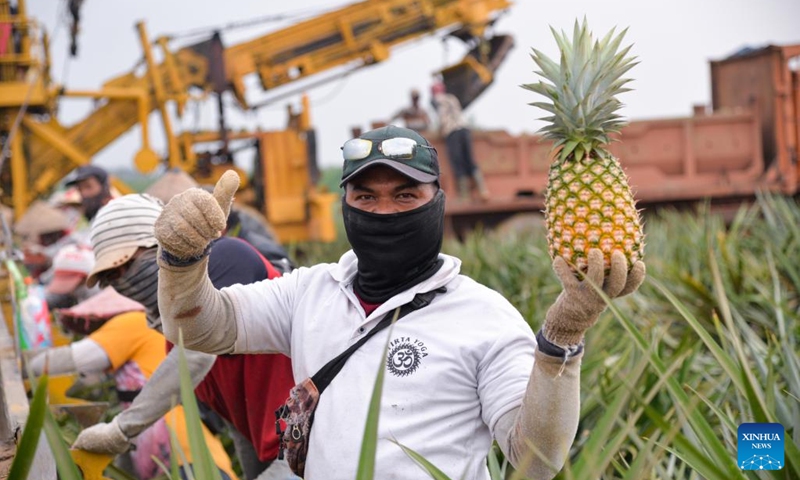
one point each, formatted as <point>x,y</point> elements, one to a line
<point>41,218</point>
<point>170,184</point>
<point>121,227</point>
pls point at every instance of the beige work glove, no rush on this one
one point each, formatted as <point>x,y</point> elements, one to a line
<point>193,218</point>
<point>103,438</point>
<point>579,305</point>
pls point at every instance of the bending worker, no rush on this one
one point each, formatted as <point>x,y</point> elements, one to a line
<point>460,372</point>
<point>244,390</point>
<point>124,346</point>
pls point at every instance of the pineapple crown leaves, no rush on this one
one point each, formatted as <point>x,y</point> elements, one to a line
<point>582,90</point>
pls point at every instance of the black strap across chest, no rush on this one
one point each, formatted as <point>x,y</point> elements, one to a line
<point>327,373</point>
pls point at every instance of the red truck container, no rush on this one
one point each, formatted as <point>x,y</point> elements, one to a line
<point>747,143</point>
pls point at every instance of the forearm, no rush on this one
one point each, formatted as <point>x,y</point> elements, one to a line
<point>162,391</point>
<point>188,302</point>
<point>83,356</point>
<point>536,437</point>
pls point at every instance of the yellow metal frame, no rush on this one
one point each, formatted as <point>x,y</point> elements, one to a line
<point>295,209</point>
<point>360,34</point>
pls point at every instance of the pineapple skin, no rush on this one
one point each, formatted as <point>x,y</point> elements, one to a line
<point>589,204</point>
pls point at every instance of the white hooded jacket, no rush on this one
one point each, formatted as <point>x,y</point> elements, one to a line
<point>453,368</point>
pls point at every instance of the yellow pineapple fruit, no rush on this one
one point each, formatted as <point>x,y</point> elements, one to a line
<point>588,202</point>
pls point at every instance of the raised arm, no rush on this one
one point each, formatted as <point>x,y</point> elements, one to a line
<point>187,300</point>
<point>537,437</point>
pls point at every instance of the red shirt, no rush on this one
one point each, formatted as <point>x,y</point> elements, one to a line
<point>246,389</point>
<point>368,307</point>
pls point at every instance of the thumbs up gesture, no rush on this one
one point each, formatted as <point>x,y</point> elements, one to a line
<point>193,218</point>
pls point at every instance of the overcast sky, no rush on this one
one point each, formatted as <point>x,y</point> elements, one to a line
<point>674,41</point>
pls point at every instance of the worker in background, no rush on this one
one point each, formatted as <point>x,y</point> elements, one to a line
<point>93,184</point>
<point>244,390</point>
<point>131,351</point>
<point>67,285</point>
<point>414,116</point>
<point>43,230</point>
<point>69,202</point>
<point>460,372</point>
<point>244,225</point>
<point>454,129</point>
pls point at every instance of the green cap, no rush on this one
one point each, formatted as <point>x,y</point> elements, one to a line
<point>422,167</point>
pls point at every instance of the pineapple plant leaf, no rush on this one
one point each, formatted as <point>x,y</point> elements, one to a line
<point>588,201</point>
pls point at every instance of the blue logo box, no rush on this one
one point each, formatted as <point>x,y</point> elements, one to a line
<point>760,446</point>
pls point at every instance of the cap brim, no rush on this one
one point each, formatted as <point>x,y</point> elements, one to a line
<point>77,179</point>
<point>63,283</point>
<point>108,260</point>
<point>403,168</point>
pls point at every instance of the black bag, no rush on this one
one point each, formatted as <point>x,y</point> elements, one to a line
<point>298,411</point>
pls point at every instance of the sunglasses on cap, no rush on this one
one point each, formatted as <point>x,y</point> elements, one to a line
<point>399,148</point>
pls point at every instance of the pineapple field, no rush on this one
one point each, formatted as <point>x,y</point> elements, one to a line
<point>707,343</point>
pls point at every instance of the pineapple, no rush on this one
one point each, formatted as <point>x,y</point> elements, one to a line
<point>588,202</point>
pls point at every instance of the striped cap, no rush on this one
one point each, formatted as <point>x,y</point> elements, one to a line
<point>121,227</point>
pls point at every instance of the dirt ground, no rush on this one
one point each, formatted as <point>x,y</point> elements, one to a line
<point>6,457</point>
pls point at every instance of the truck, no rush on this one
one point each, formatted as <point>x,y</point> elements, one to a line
<point>746,142</point>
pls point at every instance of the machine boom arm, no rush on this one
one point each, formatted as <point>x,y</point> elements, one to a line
<point>356,35</point>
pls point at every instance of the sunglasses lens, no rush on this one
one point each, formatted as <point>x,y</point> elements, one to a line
<point>398,147</point>
<point>356,149</point>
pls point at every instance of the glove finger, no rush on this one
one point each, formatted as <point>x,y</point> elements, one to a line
<point>175,244</point>
<point>565,274</point>
<point>596,270</point>
<point>188,237</point>
<point>200,214</point>
<point>203,213</point>
<point>225,189</point>
<point>635,278</point>
<point>177,233</point>
<point>616,279</point>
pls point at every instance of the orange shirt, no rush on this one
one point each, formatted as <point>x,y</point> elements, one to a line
<point>135,351</point>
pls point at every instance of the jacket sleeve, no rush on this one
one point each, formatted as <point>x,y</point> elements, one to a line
<point>189,303</point>
<point>253,318</point>
<point>162,390</point>
<point>536,437</point>
<point>84,356</point>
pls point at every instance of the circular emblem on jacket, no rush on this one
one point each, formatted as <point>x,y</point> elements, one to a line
<point>403,359</point>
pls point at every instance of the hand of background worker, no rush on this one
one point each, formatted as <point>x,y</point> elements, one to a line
<point>579,305</point>
<point>193,218</point>
<point>104,438</point>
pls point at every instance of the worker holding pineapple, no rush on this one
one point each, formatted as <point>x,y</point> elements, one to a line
<point>465,369</point>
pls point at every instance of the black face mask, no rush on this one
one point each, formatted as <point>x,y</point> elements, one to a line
<point>92,205</point>
<point>140,283</point>
<point>395,251</point>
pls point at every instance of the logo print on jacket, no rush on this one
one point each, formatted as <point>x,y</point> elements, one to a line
<point>405,356</point>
